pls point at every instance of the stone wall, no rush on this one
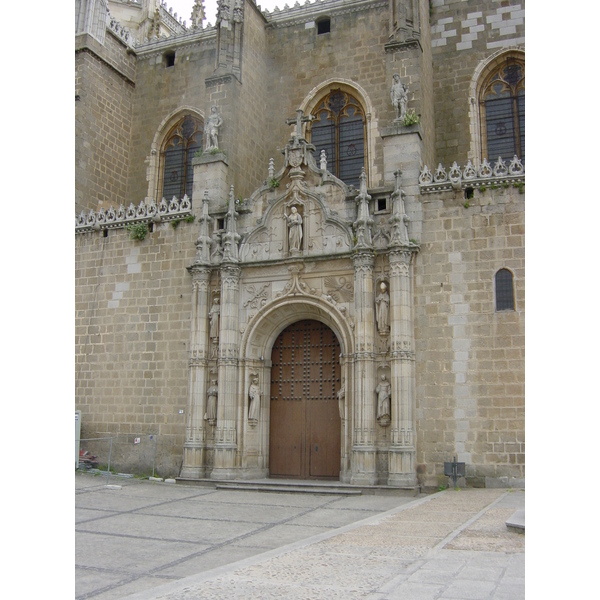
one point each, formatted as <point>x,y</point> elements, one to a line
<point>132,327</point>
<point>470,358</point>
<point>462,35</point>
<point>104,90</point>
<point>300,60</point>
<point>161,91</point>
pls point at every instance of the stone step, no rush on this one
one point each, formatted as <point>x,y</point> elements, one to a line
<point>289,489</point>
<point>299,486</point>
<point>517,522</point>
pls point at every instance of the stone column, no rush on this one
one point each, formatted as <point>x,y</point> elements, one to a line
<point>228,358</point>
<point>194,449</point>
<point>402,449</point>
<point>364,471</point>
<point>226,430</point>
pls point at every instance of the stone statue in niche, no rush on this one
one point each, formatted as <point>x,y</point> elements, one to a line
<point>399,95</point>
<point>211,130</point>
<point>294,222</point>
<point>254,397</point>
<point>213,318</point>
<point>341,396</point>
<point>383,309</point>
<point>384,392</point>
<point>211,406</point>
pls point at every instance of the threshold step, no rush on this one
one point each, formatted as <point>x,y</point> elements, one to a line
<point>290,489</point>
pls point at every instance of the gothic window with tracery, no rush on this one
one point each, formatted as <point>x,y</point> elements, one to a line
<point>505,294</point>
<point>502,111</point>
<point>339,129</point>
<point>181,143</point>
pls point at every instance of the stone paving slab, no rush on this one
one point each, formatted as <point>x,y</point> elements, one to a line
<point>385,557</point>
<point>143,534</point>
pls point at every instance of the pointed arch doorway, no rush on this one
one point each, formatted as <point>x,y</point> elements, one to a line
<point>305,426</point>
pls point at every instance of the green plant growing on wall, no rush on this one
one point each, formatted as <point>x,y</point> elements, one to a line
<point>273,183</point>
<point>493,186</point>
<point>520,185</point>
<point>198,153</point>
<point>410,118</point>
<point>482,189</point>
<point>466,204</point>
<point>137,231</point>
<point>188,219</point>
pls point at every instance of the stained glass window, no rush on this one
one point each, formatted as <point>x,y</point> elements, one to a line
<point>339,129</point>
<point>180,145</point>
<point>502,105</point>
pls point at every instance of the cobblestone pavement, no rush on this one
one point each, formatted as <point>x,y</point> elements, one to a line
<point>454,544</point>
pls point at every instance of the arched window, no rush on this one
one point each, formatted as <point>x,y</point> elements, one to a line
<point>339,129</point>
<point>502,109</point>
<point>505,293</point>
<point>175,171</point>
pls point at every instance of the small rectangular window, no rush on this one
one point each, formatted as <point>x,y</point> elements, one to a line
<point>169,59</point>
<point>505,295</point>
<point>323,26</point>
<point>381,204</point>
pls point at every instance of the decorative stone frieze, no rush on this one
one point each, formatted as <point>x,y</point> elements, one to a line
<point>471,176</point>
<point>144,213</point>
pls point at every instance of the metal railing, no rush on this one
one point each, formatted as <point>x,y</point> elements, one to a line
<point>119,456</point>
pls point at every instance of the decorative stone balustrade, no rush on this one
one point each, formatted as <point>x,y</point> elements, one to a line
<point>471,176</point>
<point>143,213</point>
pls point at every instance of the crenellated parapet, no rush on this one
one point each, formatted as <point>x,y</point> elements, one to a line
<point>143,213</point>
<point>471,176</point>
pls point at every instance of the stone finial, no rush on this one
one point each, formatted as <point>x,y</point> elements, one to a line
<point>364,223</point>
<point>198,14</point>
<point>231,237</point>
<point>271,168</point>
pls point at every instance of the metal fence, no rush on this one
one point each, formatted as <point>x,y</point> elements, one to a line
<point>119,456</point>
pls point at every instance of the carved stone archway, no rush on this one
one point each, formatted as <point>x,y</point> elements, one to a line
<point>255,353</point>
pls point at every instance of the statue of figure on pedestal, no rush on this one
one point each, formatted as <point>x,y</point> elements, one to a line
<point>213,317</point>
<point>211,407</point>
<point>384,392</point>
<point>383,309</point>
<point>254,396</point>
<point>399,95</point>
<point>294,222</point>
<point>211,130</point>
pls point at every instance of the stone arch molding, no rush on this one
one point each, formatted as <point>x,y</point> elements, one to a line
<point>153,159</point>
<point>479,75</point>
<point>262,330</point>
<point>372,134</point>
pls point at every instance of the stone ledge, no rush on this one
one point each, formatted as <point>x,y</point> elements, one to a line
<point>399,129</point>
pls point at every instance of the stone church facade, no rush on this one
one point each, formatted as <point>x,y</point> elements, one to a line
<point>300,238</point>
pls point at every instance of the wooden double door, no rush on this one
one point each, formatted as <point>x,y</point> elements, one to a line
<point>305,426</point>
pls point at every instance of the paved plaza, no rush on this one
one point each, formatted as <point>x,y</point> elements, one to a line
<point>147,540</point>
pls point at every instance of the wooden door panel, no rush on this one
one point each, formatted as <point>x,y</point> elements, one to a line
<point>305,424</point>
